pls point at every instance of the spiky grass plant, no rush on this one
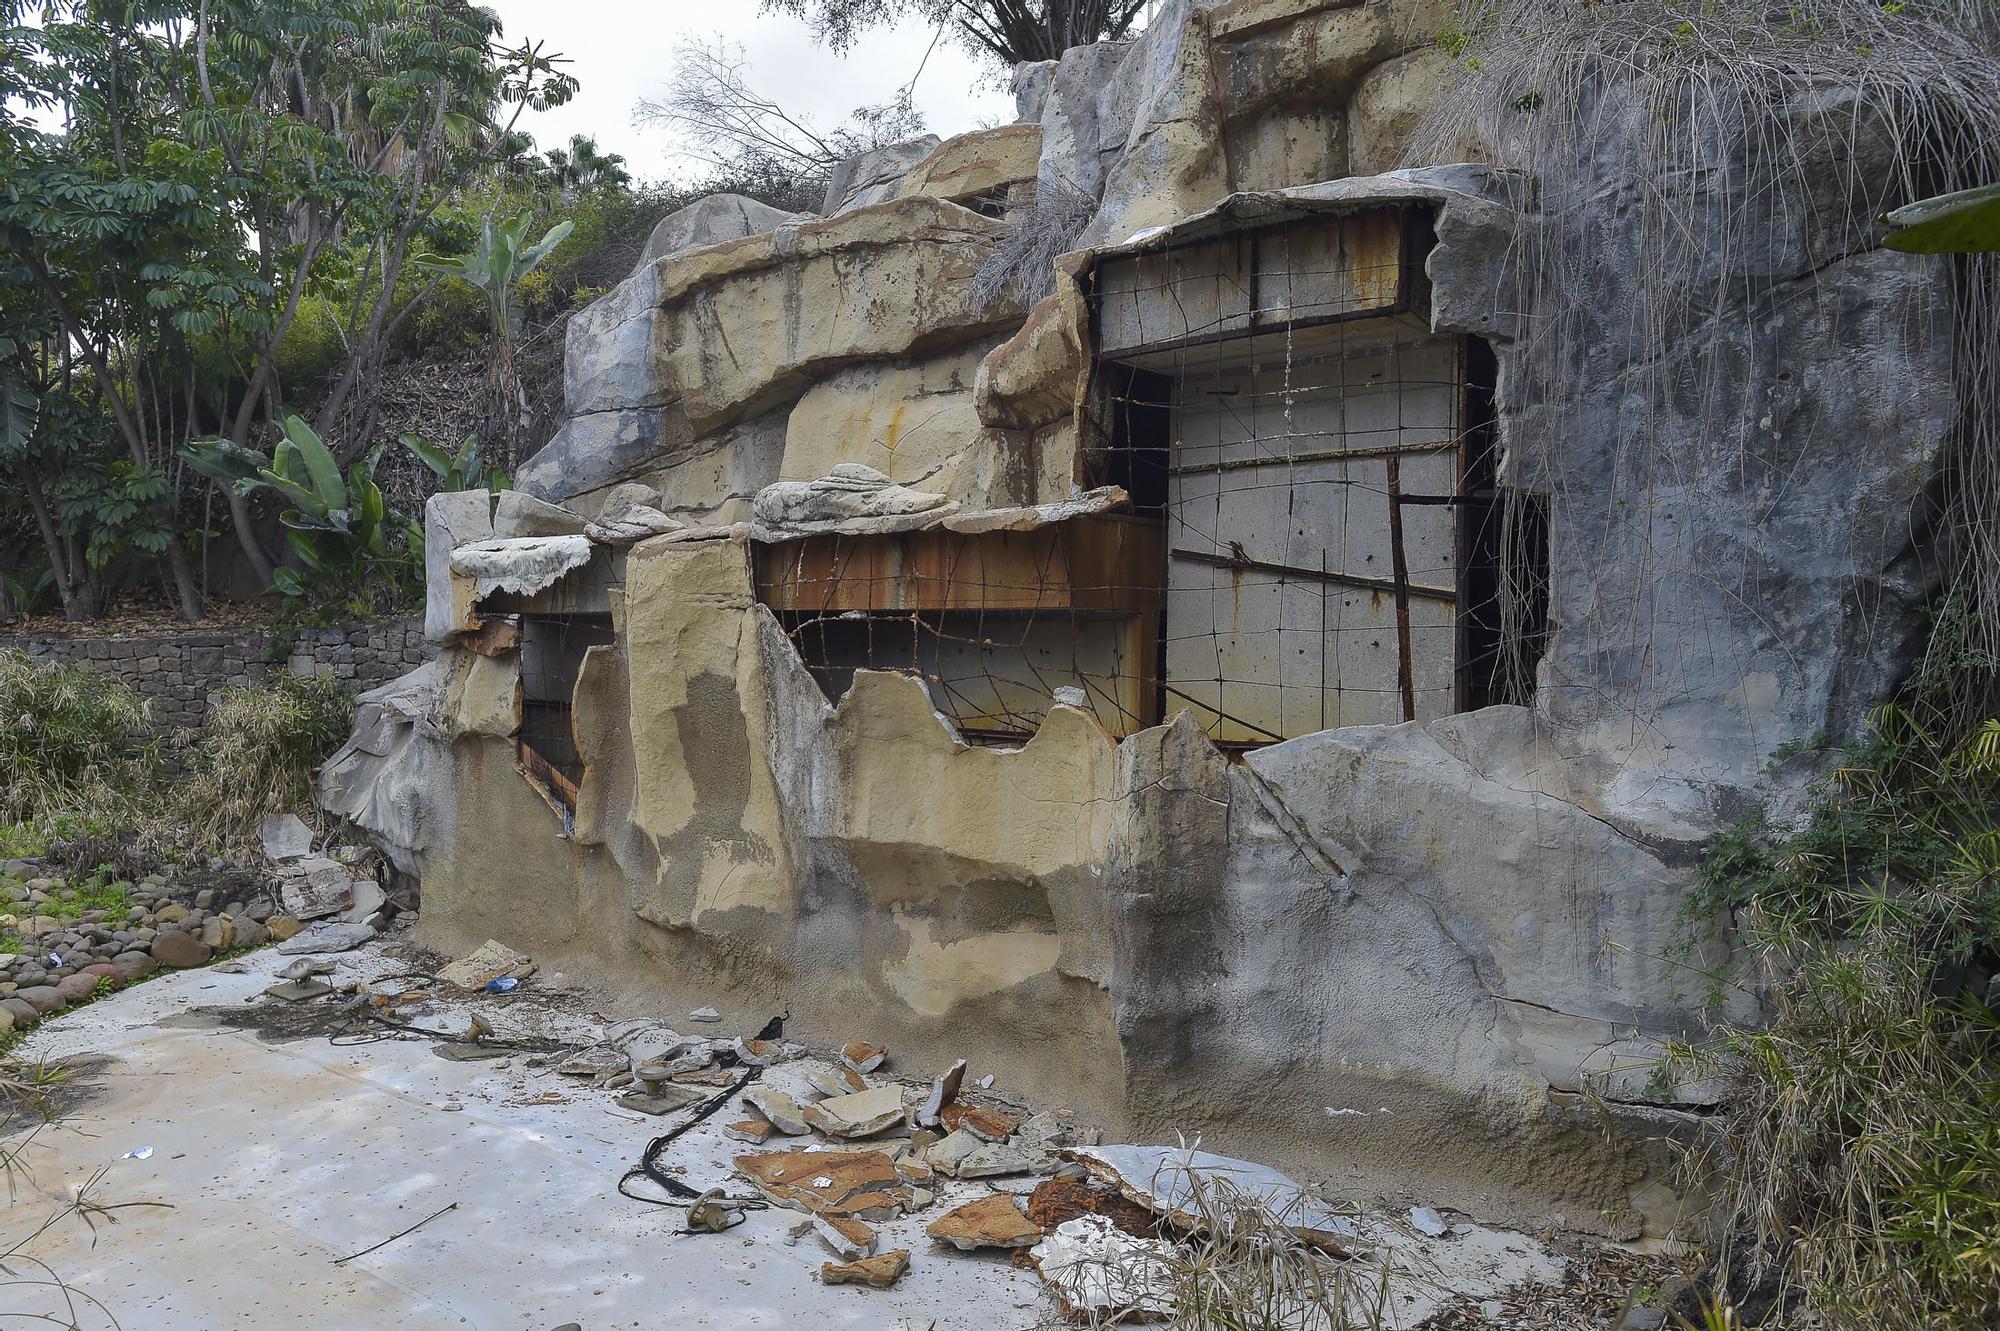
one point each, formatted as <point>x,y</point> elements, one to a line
<point>1857,1171</point>
<point>68,735</point>
<point>258,753</point>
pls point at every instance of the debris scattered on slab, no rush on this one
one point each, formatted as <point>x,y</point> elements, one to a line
<point>1099,1272</point>
<point>990,1222</point>
<point>781,1109</point>
<point>989,1125</point>
<point>599,1060</point>
<point>874,1272</point>
<point>864,1057</point>
<point>315,887</point>
<point>861,1114</point>
<point>306,967</point>
<point>454,1051</point>
<point>943,1091</point>
<point>836,1081</point>
<point>849,1238</point>
<point>664,1099</point>
<point>856,1183</point>
<point>491,961</point>
<point>756,1131</point>
<point>759,1053</point>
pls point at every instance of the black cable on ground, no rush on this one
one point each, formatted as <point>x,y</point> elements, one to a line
<point>649,1161</point>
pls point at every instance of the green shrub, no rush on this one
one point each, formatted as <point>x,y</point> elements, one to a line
<point>1858,1165</point>
<point>258,754</point>
<point>69,737</point>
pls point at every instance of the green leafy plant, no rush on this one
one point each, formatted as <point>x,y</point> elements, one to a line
<point>1856,1172</point>
<point>462,470</point>
<point>1964,222</point>
<point>338,523</point>
<point>496,265</point>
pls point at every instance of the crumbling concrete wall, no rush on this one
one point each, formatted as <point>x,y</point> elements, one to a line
<point>1396,956</point>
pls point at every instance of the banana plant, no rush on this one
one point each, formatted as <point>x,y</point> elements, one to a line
<point>462,470</point>
<point>1967,222</point>
<point>337,524</point>
<point>498,262</point>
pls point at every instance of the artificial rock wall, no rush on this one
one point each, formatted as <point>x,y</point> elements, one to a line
<point>1420,957</point>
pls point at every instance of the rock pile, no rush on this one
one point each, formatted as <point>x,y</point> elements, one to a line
<point>55,952</point>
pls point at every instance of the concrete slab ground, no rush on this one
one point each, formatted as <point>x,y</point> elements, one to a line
<point>277,1151</point>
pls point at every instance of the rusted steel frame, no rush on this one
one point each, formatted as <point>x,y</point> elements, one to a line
<point>1322,455</point>
<point>1400,564</point>
<point>1356,580</point>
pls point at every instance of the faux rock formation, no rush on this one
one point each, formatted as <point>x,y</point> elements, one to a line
<point>850,500</point>
<point>834,574</point>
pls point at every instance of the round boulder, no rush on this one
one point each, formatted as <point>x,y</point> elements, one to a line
<point>22,1011</point>
<point>77,988</point>
<point>180,950</point>
<point>43,998</point>
<point>135,965</point>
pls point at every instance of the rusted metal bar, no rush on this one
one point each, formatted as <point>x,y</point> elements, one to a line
<point>1429,447</point>
<point>1400,565</point>
<point>1357,580</point>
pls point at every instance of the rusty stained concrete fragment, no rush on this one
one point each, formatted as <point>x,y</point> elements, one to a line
<point>874,1272</point>
<point>863,1184</point>
<point>990,1222</point>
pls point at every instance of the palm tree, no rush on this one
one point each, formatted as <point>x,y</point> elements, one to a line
<point>582,169</point>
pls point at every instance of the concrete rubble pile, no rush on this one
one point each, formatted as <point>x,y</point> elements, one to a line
<point>822,662</point>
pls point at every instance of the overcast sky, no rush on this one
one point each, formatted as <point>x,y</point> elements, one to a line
<point>623,50</point>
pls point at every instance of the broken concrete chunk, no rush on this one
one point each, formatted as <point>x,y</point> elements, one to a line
<point>836,1081</point>
<point>706,1076</point>
<point>1173,1181</point>
<point>704,1014</point>
<point>297,991</point>
<point>991,1160</point>
<point>663,1100</point>
<point>990,1222</point>
<point>781,1109</point>
<point>284,836</point>
<point>856,1183</point>
<point>851,499</point>
<point>646,1041</point>
<point>600,1060</point>
<point>522,565</point>
<point>989,1125</point>
<point>1428,1222</point>
<point>861,1114</point>
<point>864,1057</point>
<point>848,1237</point>
<point>943,1091</point>
<point>316,887</point>
<point>946,1155</point>
<point>756,1131</point>
<point>1099,1272</point>
<point>489,962</point>
<point>1057,1200</point>
<point>874,1272</point>
<point>759,1053</point>
<point>305,967</point>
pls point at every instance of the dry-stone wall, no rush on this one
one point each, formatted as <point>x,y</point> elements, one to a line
<point>183,673</point>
